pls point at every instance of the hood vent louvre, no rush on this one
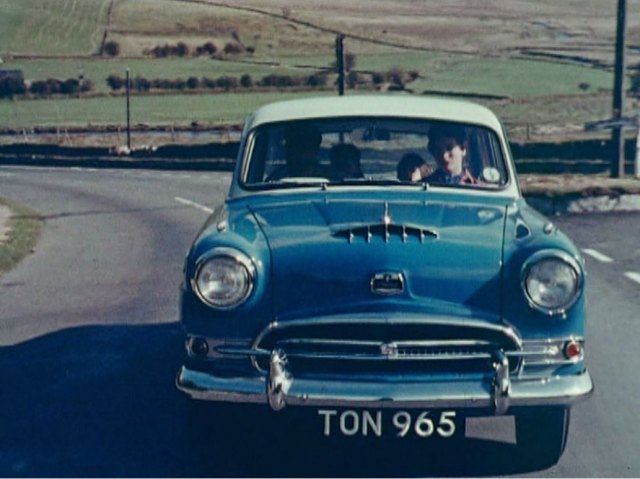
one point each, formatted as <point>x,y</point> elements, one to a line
<point>386,232</point>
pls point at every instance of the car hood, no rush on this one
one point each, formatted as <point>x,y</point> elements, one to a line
<point>348,256</point>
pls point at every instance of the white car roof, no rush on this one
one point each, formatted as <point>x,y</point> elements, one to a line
<point>403,106</point>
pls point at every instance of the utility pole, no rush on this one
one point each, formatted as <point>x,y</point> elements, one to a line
<point>617,135</point>
<point>128,112</point>
<point>340,63</point>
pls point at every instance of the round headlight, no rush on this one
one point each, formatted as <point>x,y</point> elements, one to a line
<point>225,279</point>
<point>552,281</point>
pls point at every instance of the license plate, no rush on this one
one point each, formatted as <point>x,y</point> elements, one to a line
<point>389,423</point>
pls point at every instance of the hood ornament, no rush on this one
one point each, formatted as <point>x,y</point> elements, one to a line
<point>386,221</point>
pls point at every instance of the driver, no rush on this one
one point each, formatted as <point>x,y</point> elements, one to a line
<point>301,148</point>
<point>448,145</point>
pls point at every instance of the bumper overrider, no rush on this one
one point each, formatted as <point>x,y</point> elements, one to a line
<point>279,388</point>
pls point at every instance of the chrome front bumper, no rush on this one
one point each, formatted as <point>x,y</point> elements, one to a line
<point>279,389</point>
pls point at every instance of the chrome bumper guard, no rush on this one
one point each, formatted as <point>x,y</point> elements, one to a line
<point>279,389</point>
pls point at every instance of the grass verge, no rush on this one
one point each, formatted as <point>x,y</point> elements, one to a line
<point>24,230</point>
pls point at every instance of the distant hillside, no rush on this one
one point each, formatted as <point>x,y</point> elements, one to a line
<point>543,65</point>
<point>579,31</point>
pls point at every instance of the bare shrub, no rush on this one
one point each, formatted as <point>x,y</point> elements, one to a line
<point>111,49</point>
<point>182,49</point>
<point>227,82</point>
<point>115,82</point>
<point>209,82</point>
<point>377,78</point>
<point>193,83</point>
<point>10,86</point>
<point>232,48</point>
<point>87,85</point>
<point>70,86</point>
<point>207,48</point>
<point>246,81</point>
<point>319,79</point>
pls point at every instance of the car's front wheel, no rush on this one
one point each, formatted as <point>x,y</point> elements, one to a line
<point>541,435</point>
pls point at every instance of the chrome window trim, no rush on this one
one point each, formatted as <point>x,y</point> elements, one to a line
<point>246,155</point>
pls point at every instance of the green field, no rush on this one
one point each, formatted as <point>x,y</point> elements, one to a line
<point>464,73</point>
<point>52,26</point>
<point>232,108</point>
<point>147,109</point>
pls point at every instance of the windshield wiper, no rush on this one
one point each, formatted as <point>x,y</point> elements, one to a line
<point>325,183</point>
<point>277,185</point>
<point>378,182</point>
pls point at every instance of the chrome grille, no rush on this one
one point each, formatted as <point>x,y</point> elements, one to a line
<point>379,348</point>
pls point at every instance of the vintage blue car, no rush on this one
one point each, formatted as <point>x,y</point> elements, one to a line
<point>376,265</point>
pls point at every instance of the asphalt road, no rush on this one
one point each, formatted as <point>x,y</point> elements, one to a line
<point>90,344</point>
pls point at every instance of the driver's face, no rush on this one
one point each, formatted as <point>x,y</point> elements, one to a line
<point>449,155</point>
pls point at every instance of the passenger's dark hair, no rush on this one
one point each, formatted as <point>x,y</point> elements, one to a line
<point>407,164</point>
<point>446,130</point>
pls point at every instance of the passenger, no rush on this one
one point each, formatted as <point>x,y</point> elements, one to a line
<point>301,148</point>
<point>345,162</point>
<point>412,167</point>
<point>448,145</point>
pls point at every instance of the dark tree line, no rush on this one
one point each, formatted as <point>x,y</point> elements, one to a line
<point>10,87</point>
<point>224,82</point>
<point>182,50</point>
<point>51,86</point>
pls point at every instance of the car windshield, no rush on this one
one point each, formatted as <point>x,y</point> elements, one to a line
<point>385,151</point>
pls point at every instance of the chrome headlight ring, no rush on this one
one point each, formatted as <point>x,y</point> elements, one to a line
<point>552,281</point>
<point>224,278</point>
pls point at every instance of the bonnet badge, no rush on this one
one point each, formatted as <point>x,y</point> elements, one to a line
<point>387,283</point>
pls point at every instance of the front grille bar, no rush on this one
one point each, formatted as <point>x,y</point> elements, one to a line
<point>513,355</point>
<point>382,351</point>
